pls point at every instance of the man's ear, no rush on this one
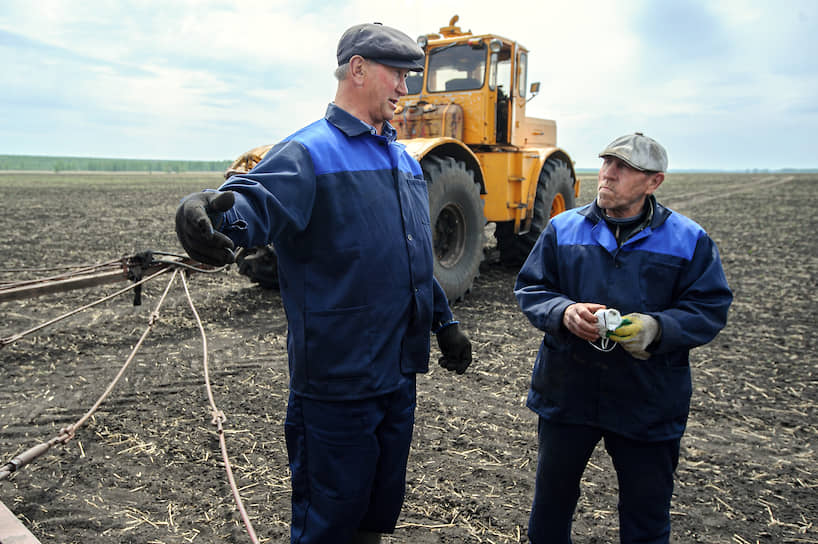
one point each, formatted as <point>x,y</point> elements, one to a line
<point>655,181</point>
<point>357,68</point>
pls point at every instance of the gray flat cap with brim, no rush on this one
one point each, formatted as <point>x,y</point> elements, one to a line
<point>382,44</point>
<point>639,151</point>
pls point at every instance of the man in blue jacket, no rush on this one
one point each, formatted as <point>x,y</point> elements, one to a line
<point>347,209</point>
<point>630,386</point>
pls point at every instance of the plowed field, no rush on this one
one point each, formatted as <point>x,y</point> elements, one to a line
<point>147,467</point>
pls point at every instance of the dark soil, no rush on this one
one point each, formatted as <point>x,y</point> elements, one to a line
<point>147,467</point>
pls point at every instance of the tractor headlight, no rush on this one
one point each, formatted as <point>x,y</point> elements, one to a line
<point>495,45</point>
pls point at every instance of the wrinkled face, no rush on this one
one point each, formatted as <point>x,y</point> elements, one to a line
<point>384,86</point>
<point>622,189</point>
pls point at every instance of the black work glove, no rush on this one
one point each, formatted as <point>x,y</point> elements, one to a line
<point>455,347</point>
<point>197,218</point>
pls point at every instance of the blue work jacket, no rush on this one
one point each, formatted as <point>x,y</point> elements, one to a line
<point>348,213</point>
<point>670,270</point>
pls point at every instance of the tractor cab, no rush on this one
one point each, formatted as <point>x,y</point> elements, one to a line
<point>476,85</point>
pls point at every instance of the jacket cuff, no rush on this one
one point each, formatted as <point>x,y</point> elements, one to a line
<point>442,326</point>
<point>654,345</point>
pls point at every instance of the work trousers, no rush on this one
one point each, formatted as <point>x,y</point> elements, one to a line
<point>348,464</point>
<point>644,471</point>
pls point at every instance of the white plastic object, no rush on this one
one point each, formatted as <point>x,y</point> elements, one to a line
<point>608,319</point>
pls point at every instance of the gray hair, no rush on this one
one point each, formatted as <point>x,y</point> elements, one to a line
<point>342,71</point>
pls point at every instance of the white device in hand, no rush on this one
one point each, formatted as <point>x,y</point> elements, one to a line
<point>607,320</point>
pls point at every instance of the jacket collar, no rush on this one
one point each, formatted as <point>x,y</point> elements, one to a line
<point>352,126</point>
<point>660,214</point>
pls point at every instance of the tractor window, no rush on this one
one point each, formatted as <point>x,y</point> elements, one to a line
<point>503,94</point>
<point>458,67</point>
<point>504,70</point>
<point>414,82</point>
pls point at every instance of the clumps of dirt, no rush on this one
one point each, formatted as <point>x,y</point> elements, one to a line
<point>147,466</point>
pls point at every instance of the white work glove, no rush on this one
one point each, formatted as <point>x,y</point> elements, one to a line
<point>636,333</point>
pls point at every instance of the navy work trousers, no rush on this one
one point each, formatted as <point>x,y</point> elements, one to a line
<point>644,472</point>
<point>348,464</point>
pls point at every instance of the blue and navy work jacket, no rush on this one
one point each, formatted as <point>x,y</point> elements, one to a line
<point>348,213</point>
<point>671,270</point>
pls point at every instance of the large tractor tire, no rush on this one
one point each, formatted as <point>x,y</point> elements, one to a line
<point>457,220</point>
<point>555,194</point>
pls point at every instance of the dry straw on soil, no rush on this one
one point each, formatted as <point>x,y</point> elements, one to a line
<point>147,468</point>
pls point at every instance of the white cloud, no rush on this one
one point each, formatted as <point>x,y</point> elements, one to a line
<point>209,79</point>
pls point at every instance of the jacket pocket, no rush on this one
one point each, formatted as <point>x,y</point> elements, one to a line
<point>339,344</point>
<point>658,285</point>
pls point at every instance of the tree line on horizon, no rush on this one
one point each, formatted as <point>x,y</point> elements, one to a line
<point>91,164</point>
<point>45,163</point>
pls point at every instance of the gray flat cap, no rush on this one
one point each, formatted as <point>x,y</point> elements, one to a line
<point>382,44</point>
<point>639,151</point>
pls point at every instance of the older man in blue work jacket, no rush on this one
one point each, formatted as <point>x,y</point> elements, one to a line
<point>628,384</point>
<point>347,210</point>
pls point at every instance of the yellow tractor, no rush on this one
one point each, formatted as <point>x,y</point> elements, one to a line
<point>464,120</point>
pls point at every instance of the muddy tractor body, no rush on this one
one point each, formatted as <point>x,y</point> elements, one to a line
<point>464,119</point>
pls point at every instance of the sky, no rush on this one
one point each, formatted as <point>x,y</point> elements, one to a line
<point>726,85</point>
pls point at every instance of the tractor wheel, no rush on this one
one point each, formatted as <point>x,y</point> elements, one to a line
<point>260,264</point>
<point>456,213</point>
<point>555,194</point>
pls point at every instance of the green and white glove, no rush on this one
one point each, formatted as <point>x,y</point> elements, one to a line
<point>636,333</point>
